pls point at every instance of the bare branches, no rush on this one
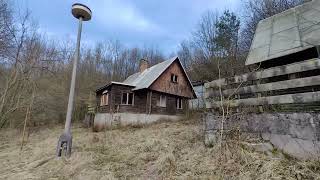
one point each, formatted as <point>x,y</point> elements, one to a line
<point>205,35</point>
<point>6,26</point>
<point>27,117</point>
<point>20,73</point>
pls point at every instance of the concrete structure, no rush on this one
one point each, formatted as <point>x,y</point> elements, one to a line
<point>108,120</point>
<point>285,90</point>
<point>160,91</point>
<point>295,133</point>
<point>199,102</point>
<point>289,32</point>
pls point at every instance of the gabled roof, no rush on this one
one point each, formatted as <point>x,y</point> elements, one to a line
<point>291,31</point>
<point>147,77</point>
<point>143,80</point>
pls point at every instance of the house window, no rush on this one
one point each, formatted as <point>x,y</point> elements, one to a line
<point>104,100</point>
<point>127,99</point>
<point>174,78</point>
<point>179,103</point>
<point>162,101</point>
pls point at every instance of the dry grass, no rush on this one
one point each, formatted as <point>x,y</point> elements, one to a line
<point>160,151</point>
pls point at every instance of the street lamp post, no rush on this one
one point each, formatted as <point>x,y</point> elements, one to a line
<point>83,13</point>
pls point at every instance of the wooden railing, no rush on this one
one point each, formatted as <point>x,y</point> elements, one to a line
<point>294,84</point>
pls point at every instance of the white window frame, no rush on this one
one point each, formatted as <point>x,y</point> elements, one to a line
<point>127,103</point>
<point>162,102</point>
<point>179,102</point>
<point>174,78</point>
<point>104,99</point>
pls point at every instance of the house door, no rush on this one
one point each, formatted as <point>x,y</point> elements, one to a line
<point>171,106</point>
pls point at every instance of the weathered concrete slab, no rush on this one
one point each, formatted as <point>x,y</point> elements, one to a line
<point>270,100</point>
<point>308,65</point>
<point>295,133</point>
<point>294,83</point>
<point>285,41</point>
<point>289,32</point>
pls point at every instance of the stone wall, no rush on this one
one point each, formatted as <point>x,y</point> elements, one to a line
<point>295,133</point>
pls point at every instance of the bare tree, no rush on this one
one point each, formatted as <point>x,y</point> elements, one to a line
<point>205,35</point>
<point>185,53</point>
<point>6,28</point>
<point>11,94</point>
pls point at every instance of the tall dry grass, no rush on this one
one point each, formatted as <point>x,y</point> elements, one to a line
<point>160,151</point>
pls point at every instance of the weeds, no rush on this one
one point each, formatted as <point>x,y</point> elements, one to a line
<point>161,151</point>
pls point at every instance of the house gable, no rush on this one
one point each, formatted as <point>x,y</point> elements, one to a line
<point>180,88</point>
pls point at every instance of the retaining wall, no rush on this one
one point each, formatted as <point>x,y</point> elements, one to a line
<point>297,134</point>
<point>108,120</point>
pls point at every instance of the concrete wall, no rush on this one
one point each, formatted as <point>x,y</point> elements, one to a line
<point>198,103</point>
<point>107,120</point>
<point>295,133</point>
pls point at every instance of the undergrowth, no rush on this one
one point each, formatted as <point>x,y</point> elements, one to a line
<point>167,150</point>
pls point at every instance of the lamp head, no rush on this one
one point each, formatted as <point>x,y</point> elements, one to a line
<point>80,10</point>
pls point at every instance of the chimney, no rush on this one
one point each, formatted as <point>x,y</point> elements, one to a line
<point>143,65</point>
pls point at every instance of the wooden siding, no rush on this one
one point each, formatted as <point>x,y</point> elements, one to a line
<point>164,84</point>
<point>171,104</point>
<point>140,99</point>
<point>105,108</point>
<point>141,102</point>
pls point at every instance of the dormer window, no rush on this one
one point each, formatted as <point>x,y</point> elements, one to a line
<point>174,78</point>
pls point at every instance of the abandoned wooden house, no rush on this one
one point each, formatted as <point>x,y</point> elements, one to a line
<point>159,92</point>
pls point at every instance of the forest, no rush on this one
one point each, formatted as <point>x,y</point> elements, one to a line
<point>35,70</point>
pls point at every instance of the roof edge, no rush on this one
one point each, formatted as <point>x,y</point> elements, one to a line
<point>113,82</point>
<point>184,71</point>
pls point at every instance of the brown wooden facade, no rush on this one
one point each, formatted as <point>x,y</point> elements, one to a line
<point>147,100</point>
<point>180,88</point>
<point>141,102</point>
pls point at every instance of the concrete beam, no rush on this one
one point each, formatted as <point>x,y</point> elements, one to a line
<point>294,83</point>
<point>281,99</point>
<point>267,73</point>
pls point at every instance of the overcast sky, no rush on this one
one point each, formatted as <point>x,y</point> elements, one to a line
<point>142,23</point>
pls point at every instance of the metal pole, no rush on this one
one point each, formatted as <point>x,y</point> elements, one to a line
<point>67,126</point>
<point>65,140</point>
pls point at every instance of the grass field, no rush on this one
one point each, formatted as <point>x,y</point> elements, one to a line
<point>161,151</point>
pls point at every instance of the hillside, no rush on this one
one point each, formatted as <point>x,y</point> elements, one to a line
<point>164,150</point>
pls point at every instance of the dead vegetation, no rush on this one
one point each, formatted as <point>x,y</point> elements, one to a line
<point>165,150</point>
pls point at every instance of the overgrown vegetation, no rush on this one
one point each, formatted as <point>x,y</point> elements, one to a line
<point>170,150</point>
<point>34,81</point>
